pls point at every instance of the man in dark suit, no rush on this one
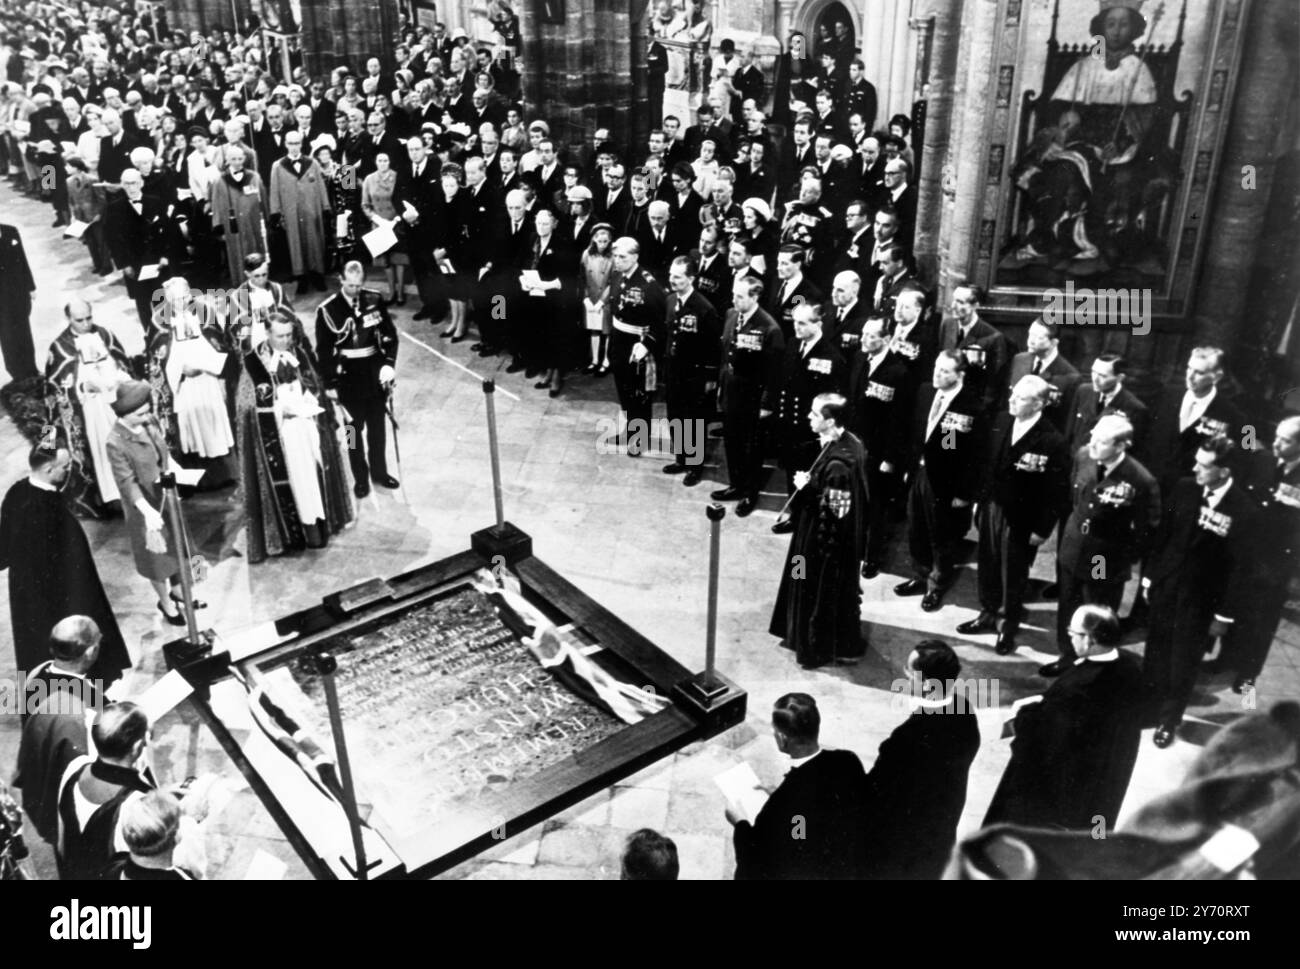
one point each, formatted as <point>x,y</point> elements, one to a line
<point>947,444</point>
<point>854,246</point>
<point>136,228</point>
<point>879,407</point>
<point>16,288</point>
<point>115,148</point>
<point>860,95</point>
<point>894,191</point>
<point>1199,576</point>
<point>657,240</point>
<point>844,316</point>
<point>1105,393</point>
<point>985,348</point>
<point>691,362</point>
<point>793,290</point>
<point>55,732</point>
<point>714,279</point>
<point>811,827</point>
<point>1116,510</point>
<point>612,204</point>
<point>796,153</point>
<point>1026,477</point>
<point>752,350</point>
<point>916,335</point>
<point>811,365</point>
<point>884,235</point>
<point>1277,559</point>
<point>417,199</point>
<point>1075,745</point>
<point>916,789</point>
<point>1043,359</point>
<point>511,243</point>
<point>1184,422</point>
<point>749,80</point>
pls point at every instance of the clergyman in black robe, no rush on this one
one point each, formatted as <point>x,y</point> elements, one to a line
<point>819,606</point>
<point>51,572</point>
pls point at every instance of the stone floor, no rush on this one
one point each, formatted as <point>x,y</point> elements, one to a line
<point>629,536</point>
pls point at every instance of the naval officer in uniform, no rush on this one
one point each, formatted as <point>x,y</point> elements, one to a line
<point>357,345</point>
<point>639,308</point>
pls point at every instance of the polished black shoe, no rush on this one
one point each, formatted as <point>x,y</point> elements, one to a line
<point>1056,667</point>
<point>476,347</point>
<point>912,587</point>
<point>487,351</point>
<point>693,477</point>
<point>983,623</point>
<point>174,620</point>
<point>1164,736</point>
<point>784,526</point>
<point>459,339</point>
<point>361,489</point>
<point>554,392</point>
<point>726,494</point>
<point>1005,645</point>
<point>1243,684</point>
<point>385,480</point>
<point>745,507</point>
<point>931,601</point>
<point>674,468</point>
<point>541,385</point>
<point>870,570</point>
<point>515,367</point>
<point>423,314</point>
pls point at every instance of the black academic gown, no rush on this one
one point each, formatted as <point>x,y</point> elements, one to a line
<point>818,609</point>
<point>52,575</point>
<point>1073,752</point>
<point>821,800</point>
<point>916,791</point>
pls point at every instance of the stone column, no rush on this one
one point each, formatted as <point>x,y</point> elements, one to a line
<point>941,20</point>
<point>579,73</point>
<point>337,32</point>
<point>1268,76</point>
<point>966,155</point>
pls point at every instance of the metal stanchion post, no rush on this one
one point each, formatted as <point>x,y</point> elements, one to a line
<point>172,508</point>
<point>326,666</point>
<point>708,686</point>
<point>489,390</point>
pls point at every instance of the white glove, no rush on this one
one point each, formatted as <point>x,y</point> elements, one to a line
<point>387,375</point>
<point>153,521</point>
<point>638,352</point>
<point>800,479</point>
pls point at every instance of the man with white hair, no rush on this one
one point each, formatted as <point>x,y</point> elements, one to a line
<point>1020,499</point>
<point>138,231</point>
<point>656,240</point>
<point>1113,521</point>
<point>114,147</point>
<point>50,129</point>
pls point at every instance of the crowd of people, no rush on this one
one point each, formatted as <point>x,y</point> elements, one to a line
<point>760,273</point>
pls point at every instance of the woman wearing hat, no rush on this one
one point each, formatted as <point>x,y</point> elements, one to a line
<point>450,214</point>
<point>377,203</point>
<point>137,454</point>
<point>763,241</point>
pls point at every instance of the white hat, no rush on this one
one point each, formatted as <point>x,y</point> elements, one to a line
<point>841,152</point>
<point>761,208</point>
<point>323,139</point>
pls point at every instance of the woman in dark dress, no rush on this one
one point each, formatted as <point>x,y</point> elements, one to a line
<point>449,251</point>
